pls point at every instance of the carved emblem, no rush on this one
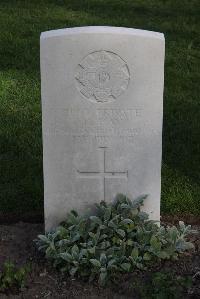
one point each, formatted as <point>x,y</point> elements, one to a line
<point>102,76</point>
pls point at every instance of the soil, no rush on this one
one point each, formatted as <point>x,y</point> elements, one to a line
<point>16,244</point>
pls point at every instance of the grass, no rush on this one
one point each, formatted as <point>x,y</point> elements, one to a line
<point>20,112</point>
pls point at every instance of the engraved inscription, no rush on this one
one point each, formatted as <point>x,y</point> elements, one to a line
<point>102,76</point>
<point>103,174</point>
<point>118,115</point>
<point>102,126</point>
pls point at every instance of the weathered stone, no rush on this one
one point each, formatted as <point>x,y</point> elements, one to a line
<point>102,101</point>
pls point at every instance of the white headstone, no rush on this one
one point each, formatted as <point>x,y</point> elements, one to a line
<point>102,103</point>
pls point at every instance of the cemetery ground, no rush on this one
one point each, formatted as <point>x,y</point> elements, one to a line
<point>21,196</point>
<point>167,280</point>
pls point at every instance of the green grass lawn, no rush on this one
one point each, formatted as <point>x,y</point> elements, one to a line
<point>21,187</point>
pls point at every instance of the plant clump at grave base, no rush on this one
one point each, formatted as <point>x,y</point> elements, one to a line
<point>117,239</point>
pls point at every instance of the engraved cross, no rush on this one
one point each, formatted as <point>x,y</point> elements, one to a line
<point>103,174</point>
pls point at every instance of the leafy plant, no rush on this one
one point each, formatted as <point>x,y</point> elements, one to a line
<point>119,238</point>
<point>11,277</point>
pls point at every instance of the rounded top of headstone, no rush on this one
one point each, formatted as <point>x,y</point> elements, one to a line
<point>101,29</point>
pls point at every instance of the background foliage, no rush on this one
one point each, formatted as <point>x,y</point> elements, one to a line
<point>22,21</point>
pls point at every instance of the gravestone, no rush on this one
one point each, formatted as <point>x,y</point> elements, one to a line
<point>102,102</point>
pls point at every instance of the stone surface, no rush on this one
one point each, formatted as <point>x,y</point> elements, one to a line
<point>102,102</point>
